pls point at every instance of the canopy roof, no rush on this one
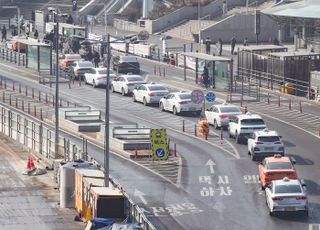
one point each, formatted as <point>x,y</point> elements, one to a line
<point>300,9</point>
<point>206,57</point>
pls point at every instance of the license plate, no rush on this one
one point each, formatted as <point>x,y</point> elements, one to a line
<point>268,148</point>
<point>290,209</point>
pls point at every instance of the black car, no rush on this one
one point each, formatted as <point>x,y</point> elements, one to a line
<point>126,64</point>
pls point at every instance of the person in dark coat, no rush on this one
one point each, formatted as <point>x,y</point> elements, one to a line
<point>205,77</point>
<point>208,44</point>
<point>4,34</point>
<point>219,46</point>
<point>36,34</point>
<point>96,59</point>
<point>233,44</point>
<point>276,42</point>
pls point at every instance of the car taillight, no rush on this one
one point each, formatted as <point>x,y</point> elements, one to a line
<point>151,94</point>
<point>269,174</point>
<point>222,116</point>
<point>301,198</point>
<point>258,143</point>
<point>278,142</point>
<point>277,198</point>
<point>183,102</point>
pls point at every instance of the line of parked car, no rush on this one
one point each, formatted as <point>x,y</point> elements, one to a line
<point>277,174</point>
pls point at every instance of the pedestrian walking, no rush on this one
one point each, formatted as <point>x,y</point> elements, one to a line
<point>205,77</point>
<point>36,34</point>
<point>245,42</point>
<point>219,45</point>
<point>96,59</point>
<point>224,8</point>
<point>276,42</point>
<point>208,44</point>
<point>233,44</point>
<point>4,34</point>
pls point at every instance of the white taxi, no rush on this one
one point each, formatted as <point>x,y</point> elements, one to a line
<point>286,196</point>
<point>265,143</point>
<point>125,84</point>
<point>179,102</point>
<point>149,93</point>
<point>218,115</point>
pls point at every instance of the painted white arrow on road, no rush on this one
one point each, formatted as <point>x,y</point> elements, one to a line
<point>211,163</point>
<point>140,194</point>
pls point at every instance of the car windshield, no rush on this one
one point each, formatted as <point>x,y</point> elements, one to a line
<point>85,64</point>
<point>252,122</point>
<point>229,110</point>
<point>135,79</point>
<point>73,57</point>
<point>292,188</point>
<point>185,96</point>
<point>269,139</point>
<point>156,88</point>
<point>279,165</point>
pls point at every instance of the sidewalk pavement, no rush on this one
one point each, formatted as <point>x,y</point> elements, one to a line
<point>29,202</point>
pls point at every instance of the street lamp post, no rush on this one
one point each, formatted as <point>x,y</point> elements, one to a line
<point>107,117</point>
<point>56,107</point>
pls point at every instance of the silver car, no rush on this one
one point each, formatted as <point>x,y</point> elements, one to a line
<point>286,196</point>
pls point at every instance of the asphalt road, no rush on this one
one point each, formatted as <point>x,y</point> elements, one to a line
<point>227,196</point>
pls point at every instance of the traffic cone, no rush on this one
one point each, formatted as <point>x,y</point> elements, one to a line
<point>30,164</point>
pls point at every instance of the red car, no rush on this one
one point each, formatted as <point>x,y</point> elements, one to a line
<point>67,59</point>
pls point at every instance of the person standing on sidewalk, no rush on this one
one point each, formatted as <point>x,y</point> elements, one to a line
<point>36,34</point>
<point>96,59</point>
<point>245,42</point>
<point>208,44</point>
<point>4,33</point>
<point>233,44</point>
<point>219,46</point>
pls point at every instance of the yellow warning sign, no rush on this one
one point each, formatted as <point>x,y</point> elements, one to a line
<point>159,144</point>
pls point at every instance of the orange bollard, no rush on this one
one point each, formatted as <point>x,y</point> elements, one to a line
<point>175,150</point>
<point>289,104</point>
<point>160,71</point>
<point>41,115</point>
<point>35,111</point>
<point>268,98</point>
<point>183,129</point>
<point>195,130</point>
<point>300,107</point>
<point>155,70</point>
<point>221,136</point>
<point>164,72</point>
<point>279,103</point>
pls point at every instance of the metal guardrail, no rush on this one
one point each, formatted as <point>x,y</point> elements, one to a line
<point>13,56</point>
<point>33,134</point>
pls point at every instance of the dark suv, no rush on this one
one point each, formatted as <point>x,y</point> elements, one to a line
<point>126,64</point>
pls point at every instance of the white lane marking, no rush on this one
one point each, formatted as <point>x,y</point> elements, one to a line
<point>140,194</point>
<point>211,163</point>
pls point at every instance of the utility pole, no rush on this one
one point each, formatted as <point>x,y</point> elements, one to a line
<point>107,117</point>
<point>56,144</point>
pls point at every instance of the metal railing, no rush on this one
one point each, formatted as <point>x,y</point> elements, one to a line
<point>13,56</point>
<point>34,135</point>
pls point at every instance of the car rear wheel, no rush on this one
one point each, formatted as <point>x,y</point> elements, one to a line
<point>215,124</point>
<point>123,92</point>
<point>174,110</point>
<point>94,84</point>
<point>145,101</point>
<point>237,138</point>
<point>161,107</point>
<point>253,157</point>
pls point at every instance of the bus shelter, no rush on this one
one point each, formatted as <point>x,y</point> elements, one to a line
<point>219,68</point>
<point>67,30</point>
<point>293,70</point>
<point>38,54</point>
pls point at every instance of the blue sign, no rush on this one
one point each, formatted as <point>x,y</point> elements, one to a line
<point>211,97</point>
<point>160,152</point>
